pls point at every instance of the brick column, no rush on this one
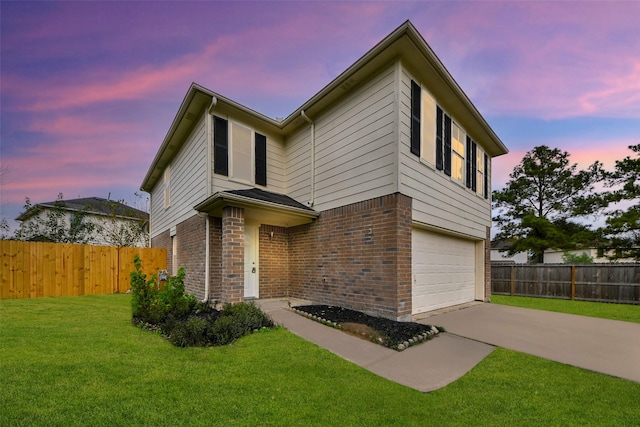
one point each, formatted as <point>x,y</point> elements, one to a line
<point>232,254</point>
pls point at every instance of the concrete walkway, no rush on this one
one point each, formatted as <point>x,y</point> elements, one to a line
<point>607,346</point>
<point>426,367</point>
<point>473,331</point>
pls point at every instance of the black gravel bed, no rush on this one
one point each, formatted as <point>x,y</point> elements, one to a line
<point>387,332</point>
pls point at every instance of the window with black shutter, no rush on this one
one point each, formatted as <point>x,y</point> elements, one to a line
<point>468,169</point>
<point>486,176</point>
<point>261,159</point>
<point>447,144</point>
<point>415,118</point>
<point>439,139</point>
<point>220,146</point>
<point>472,164</point>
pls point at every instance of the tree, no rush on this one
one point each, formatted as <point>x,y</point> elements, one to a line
<point>622,230</point>
<point>571,258</point>
<point>4,229</point>
<point>544,194</point>
<point>119,232</point>
<point>56,225</point>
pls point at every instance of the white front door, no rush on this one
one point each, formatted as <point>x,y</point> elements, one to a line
<point>251,261</point>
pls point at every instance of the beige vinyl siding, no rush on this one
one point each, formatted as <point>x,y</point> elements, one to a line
<point>355,145</point>
<point>298,164</point>
<point>438,200</point>
<point>156,209</point>
<point>276,165</point>
<point>188,182</point>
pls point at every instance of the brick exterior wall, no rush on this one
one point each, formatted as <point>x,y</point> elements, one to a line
<point>273,263</point>
<point>356,256</point>
<point>192,253</point>
<point>163,240</point>
<point>232,283</point>
<point>215,259</point>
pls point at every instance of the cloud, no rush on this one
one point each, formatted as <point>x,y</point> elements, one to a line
<point>583,152</point>
<point>545,59</point>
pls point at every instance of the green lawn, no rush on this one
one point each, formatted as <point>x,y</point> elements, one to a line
<point>624,312</point>
<point>78,361</point>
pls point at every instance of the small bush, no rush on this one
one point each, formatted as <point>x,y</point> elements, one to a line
<point>183,319</point>
<point>190,332</point>
<point>145,292</point>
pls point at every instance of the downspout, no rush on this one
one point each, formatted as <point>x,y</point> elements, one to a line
<point>313,157</point>
<point>214,103</point>
<point>207,260</point>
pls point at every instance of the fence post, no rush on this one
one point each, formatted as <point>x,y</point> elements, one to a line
<point>573,282</point>
<point>513,280</point>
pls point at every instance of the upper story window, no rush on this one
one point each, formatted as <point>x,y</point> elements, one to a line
<point>239,152</point>
<point>457,152</point>
<point>440,141</point>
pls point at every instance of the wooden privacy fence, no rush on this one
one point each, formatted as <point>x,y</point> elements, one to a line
<point>618,283</point>
<point>35,269</point>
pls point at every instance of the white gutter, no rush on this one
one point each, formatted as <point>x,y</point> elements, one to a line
<point>209,127</point>
<point>313,157</point>
<point>207,260</point>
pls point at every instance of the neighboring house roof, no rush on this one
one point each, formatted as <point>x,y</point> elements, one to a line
<point>405,43</point>
<point>279,209</point>
<point>501,245</point>
<point>90,205</point>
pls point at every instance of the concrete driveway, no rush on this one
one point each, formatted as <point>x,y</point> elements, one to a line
<point>607,346</point>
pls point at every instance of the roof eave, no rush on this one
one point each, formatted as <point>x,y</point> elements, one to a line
<point>215,203</point>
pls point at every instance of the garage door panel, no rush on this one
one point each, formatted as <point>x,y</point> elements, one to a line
<point>443,271</point>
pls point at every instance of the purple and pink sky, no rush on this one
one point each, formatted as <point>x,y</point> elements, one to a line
<point>89,89</point>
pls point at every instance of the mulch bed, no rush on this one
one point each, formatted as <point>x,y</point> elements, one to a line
<point>390,333</point>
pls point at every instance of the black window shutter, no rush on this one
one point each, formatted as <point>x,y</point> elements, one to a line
<point>439,139</point>
<point>474,165</point>
<point>486,176</point>
<point>468,162</point>
<point>261,159</point>
<point>220,146</point>
<point>447,144</point>
<point>415,118</point>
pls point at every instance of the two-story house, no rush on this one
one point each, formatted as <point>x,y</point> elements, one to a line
<point>373,195</point>
<point>112,222</point>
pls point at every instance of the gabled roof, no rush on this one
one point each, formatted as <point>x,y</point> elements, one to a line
<point>405,43</point>
<point>91,205</point>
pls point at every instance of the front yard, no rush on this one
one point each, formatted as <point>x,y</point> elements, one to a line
<point>79,361</point>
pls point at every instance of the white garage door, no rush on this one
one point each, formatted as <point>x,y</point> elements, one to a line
<point>443,271</point>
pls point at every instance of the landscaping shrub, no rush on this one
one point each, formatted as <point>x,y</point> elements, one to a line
<point>184,320</point>
<point>145,292</point>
